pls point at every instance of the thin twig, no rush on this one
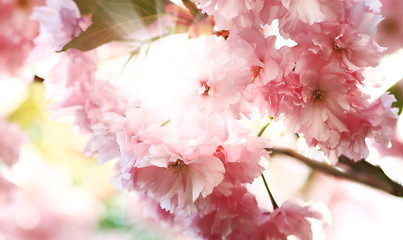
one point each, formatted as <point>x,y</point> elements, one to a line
<point>273,202</point>
<point>264,128</point>
<point>364,173</point>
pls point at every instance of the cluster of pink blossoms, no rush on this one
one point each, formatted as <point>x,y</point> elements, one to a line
<point>316,85</point>
<point>186,149</point>
<point>9,155</point>
<point>17,32</point>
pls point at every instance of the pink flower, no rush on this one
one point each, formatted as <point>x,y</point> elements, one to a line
<point>285,90</point>
<point>217,85</point>
<point>229,217</point>
<point>259,51</point>
<point>321,116</point>
<point>343,45</point>
<point>129,132</point>
<point>325,105</point>
<point>310,11</point>
<point>264,62</point>
<point>375,121</point>
<point>227,8</point>
<point>175,171</point>
<point>60,22</point>
<point>300,14</point>
<point>10,143</point>
<point>69,76</point>
<point>6,191</point>
<point>107,110</point>
<point>241,154</point>
<point>70,83</point>
<point>302,18</point>
<point>382,118</point>
<point>362,17</point>
<point>230,13</point>
<point>292,218</point>
<point>17,32</point>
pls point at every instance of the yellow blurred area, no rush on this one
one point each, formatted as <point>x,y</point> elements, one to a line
<point>59,144</point>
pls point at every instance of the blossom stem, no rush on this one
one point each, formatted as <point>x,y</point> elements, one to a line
<point>273,202</point>
<point>362,172</point>
<point>264,128</point>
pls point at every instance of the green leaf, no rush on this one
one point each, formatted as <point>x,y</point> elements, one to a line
<point>398,92</point>
<point>86,6</point>
<point>114,19</point>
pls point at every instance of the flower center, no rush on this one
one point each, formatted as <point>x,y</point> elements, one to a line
<point>337,50</point>
<point>177,167</point>
<point>222,33</point>
<point>255,72</point>
<point>219,153</point>
<point>206,89</point>
<point>318,95</point>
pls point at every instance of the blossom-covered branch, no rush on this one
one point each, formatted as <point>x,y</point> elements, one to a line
<point>168,90</point>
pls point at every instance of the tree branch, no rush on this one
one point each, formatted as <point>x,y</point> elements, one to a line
<point>362,171</point>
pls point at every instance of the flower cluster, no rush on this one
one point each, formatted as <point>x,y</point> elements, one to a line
<point>175,124</point>
<point>316,85</point>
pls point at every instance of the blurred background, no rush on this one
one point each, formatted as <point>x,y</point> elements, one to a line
<point>59,193</point>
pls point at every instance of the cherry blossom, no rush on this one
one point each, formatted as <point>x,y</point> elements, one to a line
<point>175,172</point>
<point>17,32</point>
<point>230,217</point>
<point>379,124</point>
<point>229,14</point>
<point>292,218</point>
<point>10,145</point>
<point>346,46</point>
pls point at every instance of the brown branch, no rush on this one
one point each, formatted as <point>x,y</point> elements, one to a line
<point>362,171</point>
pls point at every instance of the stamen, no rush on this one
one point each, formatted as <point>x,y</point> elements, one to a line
<point>220,148</point>
<point>177,167</point>
<point>222,33</point>
<point>206,89</point>
<point>318,95</point>
<point>337,50</point>
<point>255,72</point>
